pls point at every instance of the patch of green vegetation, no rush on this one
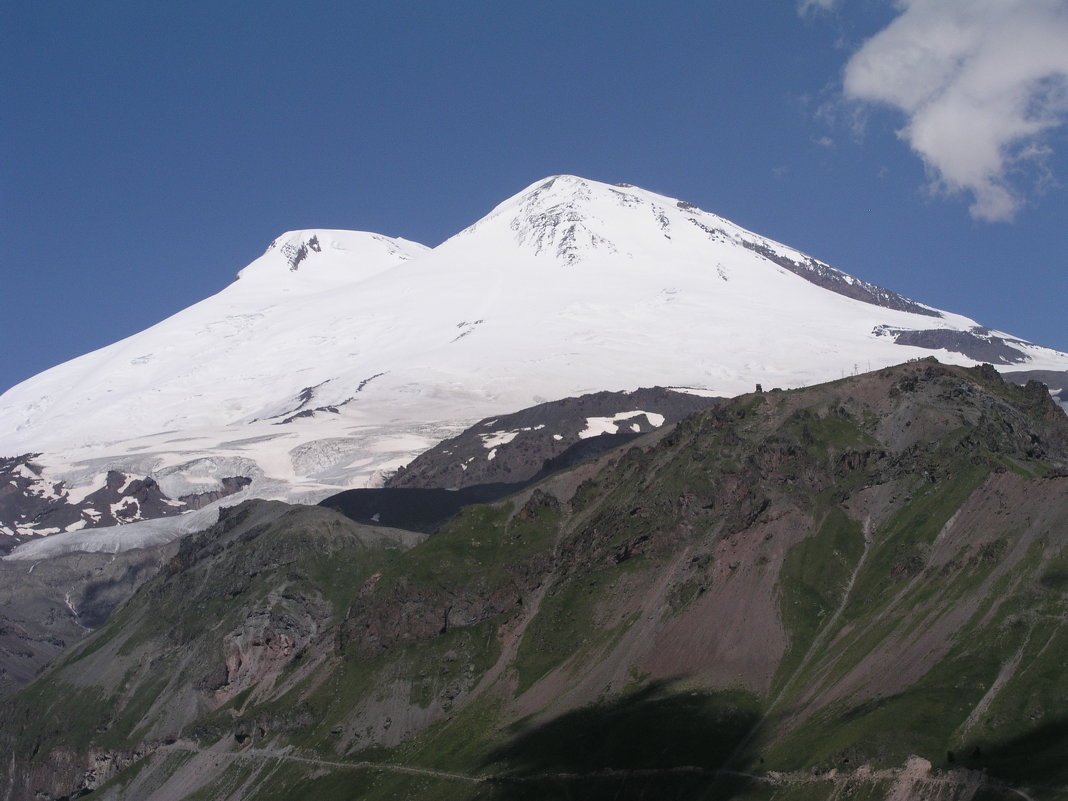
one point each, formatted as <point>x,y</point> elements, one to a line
<point>55,713</point>
<point>450,664</point>
<point>458,742</point>
<point>473,544</point>
<point>884,731</point>
<point>745,406</point>
<point>919,597</point>
<point>1023,734</point>
<point>1025,468</point>
<point>825,431</point>
<point>533,530</point>
<point>62,714</point>
<point>442,670</point>
<point>588,491</point>
<point>636,679</point>
<point>896,591</point>
<point>1054,575</point>
<point>1018,629</point>
<point>310,718</point>
<point>813,580</point>
<point>901,541</point>
<point>134,620</point>
<point>567,624</point>
<point>95,641</point>
<point>130,715</point>
<point>338,576</point>
<point>239,700</point>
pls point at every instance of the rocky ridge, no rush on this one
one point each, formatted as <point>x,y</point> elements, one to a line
<point>31,505</point>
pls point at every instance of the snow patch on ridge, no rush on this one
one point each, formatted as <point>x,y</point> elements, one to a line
<point>595,426</point>
<point>491,441</point>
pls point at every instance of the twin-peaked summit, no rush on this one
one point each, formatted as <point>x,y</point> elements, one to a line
<point>339,355</point>
<point>575,219</point>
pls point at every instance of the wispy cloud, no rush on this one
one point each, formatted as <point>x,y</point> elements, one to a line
<point>980,83</point>
<point>809,6</point>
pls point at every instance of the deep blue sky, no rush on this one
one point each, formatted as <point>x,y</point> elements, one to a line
<point>149,151</point>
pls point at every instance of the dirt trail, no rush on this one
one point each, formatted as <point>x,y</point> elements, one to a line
<point>905,781</point>
<point>283,754</point>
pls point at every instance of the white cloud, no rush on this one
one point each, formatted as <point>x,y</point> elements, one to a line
<point>980,82</point>
<point>809,6</point>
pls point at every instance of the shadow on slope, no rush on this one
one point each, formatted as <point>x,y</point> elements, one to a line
<point>422,510</point>
<point>427,510</point>
<point>1038,757</point>
<point>655,743</point>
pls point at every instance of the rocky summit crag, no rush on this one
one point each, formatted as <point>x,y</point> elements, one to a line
<point>858,589</point>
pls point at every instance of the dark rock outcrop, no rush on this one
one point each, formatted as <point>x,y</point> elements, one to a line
<point>30,505</point>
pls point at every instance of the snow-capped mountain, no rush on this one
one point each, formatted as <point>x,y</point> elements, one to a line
<point>338,356</point>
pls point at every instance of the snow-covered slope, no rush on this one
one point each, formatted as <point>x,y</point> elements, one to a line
<point>338,356</point>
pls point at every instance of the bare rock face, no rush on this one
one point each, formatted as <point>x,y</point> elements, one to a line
<point>31,505</point>
<point>265,643</point>
<point>980,343</point>
<point>48,606</point>
<point>534,442</point>
<point>68,774</point>
<point>823,275</point>
<point>1056,382</point>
